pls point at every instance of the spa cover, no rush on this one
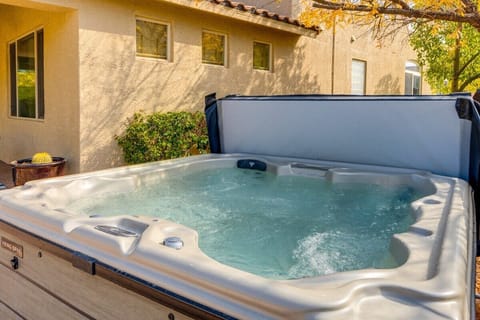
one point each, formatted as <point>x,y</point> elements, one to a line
<point>431,133</point>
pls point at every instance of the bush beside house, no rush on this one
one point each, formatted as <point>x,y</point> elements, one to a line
<point>161,136</point>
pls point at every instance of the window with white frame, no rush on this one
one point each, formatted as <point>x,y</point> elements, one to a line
<point>214,48</point>
<point>262,56</point>
<point>152,39</point>
<point>359,68</point>
<point>27,76</point>
<point>413,78</point>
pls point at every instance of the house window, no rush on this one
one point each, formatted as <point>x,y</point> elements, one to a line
<point>214,48</point>
<point>413,79</point>
<point>359,68</point>
<point>152,39</point>
<point>26,76</point>
<point>262,56</point>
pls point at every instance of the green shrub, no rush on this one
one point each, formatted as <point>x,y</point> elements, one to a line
<point>160,136</point>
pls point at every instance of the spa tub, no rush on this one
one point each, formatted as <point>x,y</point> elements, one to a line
<point>89,266</point>
<point>67,254</point>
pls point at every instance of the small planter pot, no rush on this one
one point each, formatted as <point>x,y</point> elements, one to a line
<point>24,170</point>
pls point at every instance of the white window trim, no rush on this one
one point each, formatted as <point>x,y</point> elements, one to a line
<point>364,76</point>
<point>35,41</point>
<point>270,56</point>
<point>414,74</point>
<point>225,56</point>
<point>169,39</point>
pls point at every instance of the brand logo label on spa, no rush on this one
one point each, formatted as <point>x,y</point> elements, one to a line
<point>12,247</point>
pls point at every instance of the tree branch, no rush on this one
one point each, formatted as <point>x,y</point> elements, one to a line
<point>468,81</point>
<point>472,17</point>
<point>402,4</point>
<point>469,6</point>
<point>468,62</point>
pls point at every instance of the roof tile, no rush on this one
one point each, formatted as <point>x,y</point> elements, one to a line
<point>261,12</point>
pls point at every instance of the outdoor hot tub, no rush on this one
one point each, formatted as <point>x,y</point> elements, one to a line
<point>240,234</point>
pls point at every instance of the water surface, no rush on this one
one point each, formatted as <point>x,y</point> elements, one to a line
<point>278,227</point>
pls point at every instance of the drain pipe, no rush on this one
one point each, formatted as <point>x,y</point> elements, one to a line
<point>332,76</point>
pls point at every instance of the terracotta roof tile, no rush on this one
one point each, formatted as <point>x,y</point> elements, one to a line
<point>261,12</point>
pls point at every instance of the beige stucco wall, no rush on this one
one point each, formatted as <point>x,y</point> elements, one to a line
<point>385,61</point>
<point>114,82</point>
<point>94,81</point>
<point>58,132</point>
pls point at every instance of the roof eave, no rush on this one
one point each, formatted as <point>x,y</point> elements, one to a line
<point>244,16</point>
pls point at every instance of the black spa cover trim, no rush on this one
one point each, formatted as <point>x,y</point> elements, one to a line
<point>474,170</point>
<point>211,116</point>
<point>464,107</point>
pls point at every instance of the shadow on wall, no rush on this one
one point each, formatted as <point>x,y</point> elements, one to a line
<point>290,75</point>
<point>113,89</point>
<point>388,85</point>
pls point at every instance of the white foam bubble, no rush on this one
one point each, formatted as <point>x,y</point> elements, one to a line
<point>312,257</point>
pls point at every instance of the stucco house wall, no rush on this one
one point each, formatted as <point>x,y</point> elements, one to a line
<point>94,81</point>
<point>59,131</point>
<point>385,60</point>
<point>114,82</point>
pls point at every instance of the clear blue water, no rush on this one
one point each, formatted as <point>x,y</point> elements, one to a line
<point>278,227</point>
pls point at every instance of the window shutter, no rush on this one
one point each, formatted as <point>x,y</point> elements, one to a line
<point>13,79</point>
<point>40,78</point>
